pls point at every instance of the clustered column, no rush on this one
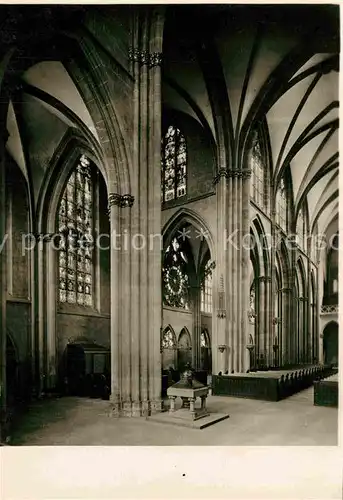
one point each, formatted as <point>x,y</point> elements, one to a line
<point>196,296</point>
<point>45,312</point>
<point>220,327</point>
<point>236,269</point>
<point>267,324</point>
<point>136,302</point>
<point>286,357</point>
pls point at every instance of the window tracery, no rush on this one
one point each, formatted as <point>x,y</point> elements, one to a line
<point>257,183</point>
<point>168,340</point>
<point>281,205</point>
<point>301,229</point>
<point>174,164</point>
<point>206,289</point>
<point>75,227</point>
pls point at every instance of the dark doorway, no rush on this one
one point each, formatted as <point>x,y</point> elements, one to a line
<point>12,373</point>
<point>330,344</point>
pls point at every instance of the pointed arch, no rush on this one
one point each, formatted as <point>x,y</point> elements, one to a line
<point>177,221</point>
<point>285,264</point>
<point>283,200</point>
<point>72,147</point>
<point>302,276</point>
<point>169,340</point>
<point>184,335</point>
<point>169,348</point>
<point>260,159</point>
<point>184,349</point>
<point>261,245</point>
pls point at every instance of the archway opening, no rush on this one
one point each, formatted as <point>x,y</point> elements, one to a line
<point>187,297</point>
<point>330,344</point>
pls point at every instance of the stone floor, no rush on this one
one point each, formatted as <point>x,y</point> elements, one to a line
<point>79,421</point>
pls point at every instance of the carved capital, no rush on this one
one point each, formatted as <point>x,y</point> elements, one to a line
<point>222,172</point>
<point>113,199</point>
<point>126,200</point>
<point>155,59</point>
<point>231,174</point>
<point>303,299</point>
<point>236,174</point>
<point>139,56</point>
<point>221,313</point>
<point>246,174</point>
<point>122,201</point>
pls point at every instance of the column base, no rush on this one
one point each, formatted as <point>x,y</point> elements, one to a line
<point>156,406</point>
<point>135,408</point>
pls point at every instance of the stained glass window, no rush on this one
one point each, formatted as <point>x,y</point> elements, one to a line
<point>281,205</point>
<point>168,340</point>
<point>175,275</point>
<point>75,227</point>
<point>206,289</point>
<point>174,164</point>
<point>301,230</point>
<point>257,173</point>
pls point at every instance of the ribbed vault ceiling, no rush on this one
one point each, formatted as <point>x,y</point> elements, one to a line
<point>235,64</point>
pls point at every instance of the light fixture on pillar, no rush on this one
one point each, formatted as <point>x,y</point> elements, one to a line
<point>276,321</point>
<point>222,348</point>
<point>251,346</point>
<point>221,313</point>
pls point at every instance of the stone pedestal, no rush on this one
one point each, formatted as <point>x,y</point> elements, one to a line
<point>189,394</point>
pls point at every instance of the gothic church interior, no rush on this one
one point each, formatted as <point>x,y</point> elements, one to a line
<point>169,197</point>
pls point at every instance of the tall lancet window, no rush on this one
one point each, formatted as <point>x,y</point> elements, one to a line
<point>206,289</point>
<point>174,165</point>
<point>257,166</point>
<point>281,205</point>
<point>301,229</point>
<point>75,227</point>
